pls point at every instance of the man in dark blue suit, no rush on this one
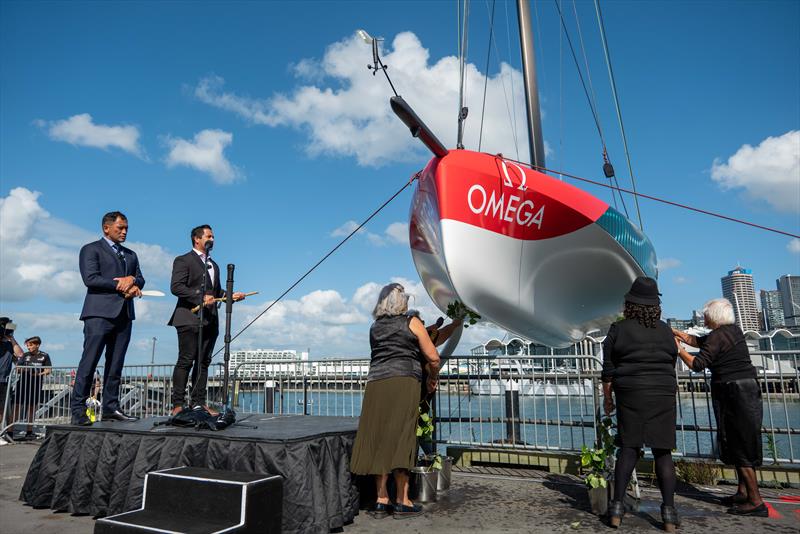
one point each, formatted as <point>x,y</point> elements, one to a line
<point>112,277</point>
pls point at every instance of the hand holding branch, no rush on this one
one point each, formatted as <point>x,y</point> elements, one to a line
<point>209,300</point>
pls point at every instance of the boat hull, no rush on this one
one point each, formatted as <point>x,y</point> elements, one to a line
<point>529,253</point>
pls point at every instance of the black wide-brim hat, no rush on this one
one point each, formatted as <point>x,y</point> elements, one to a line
<point>644,291</point>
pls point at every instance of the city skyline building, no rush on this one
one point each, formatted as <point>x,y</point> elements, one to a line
<point>772,309</point>
<point>738,288</point>
<point>789,287</point>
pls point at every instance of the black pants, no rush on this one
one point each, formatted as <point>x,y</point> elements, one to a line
<point>99,334</point>
<point>188,360</point>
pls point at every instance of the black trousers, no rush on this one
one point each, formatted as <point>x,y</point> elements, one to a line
<point>99,334</point>
<point>188,360</point>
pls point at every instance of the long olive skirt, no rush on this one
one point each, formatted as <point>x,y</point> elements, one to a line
<point>387,430</point>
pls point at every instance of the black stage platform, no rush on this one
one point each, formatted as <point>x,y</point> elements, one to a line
<point>99,470</point>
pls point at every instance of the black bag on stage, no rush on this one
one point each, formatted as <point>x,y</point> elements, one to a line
<point>200,418</point>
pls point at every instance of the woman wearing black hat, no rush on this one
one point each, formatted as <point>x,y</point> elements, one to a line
<point>639,356</point>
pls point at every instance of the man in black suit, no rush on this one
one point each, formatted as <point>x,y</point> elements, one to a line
<point>187,285</point>
<point>112,277</point>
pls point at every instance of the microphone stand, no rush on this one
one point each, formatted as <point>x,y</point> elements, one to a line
<point>228,315</point>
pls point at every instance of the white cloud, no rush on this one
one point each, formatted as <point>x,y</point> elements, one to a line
<point>330,324</point>
<point>350,115</point>
<point>680,280</point>
<point>793,246</point>
<point>395,233</point>
<point>39,252</point>
<point>346,229</point>
<point>398,233</point>
<point>769,172</point>
<point>668,263</point>
<point>205,153</point>
<point>154,261</point>
<point>80,130</point>
<point>37,322</point>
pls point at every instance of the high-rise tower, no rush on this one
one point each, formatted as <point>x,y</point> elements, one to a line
<point>738,288</point>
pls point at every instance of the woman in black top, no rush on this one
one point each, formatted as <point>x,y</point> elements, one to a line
<point>736,397</point>
<point>386,440</point>
<point>639,356</point>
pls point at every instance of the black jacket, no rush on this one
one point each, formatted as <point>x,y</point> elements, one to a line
<point>187,284</point>
<point>99,265</point>
<point>636,355</point>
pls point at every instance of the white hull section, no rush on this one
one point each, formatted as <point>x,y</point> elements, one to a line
<point>552,291</point>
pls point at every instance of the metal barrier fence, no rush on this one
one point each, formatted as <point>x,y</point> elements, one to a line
<point>35,400</point>
<point>525,402</point>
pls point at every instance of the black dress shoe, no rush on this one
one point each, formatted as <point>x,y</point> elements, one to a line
<point>616,509</point>
<point>731,500</point>
<point>118,416</point>
<point>755,511</point>
<point>80,420</point>
<point>669,518</point>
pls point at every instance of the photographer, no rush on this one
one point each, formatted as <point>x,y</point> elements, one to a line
<point>32,367</point>
<point>9,351</point>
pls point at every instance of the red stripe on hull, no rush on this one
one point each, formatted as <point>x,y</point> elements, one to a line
<point>488,192</point>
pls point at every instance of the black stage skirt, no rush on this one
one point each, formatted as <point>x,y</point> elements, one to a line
<point>739,413</point>
<point>646,415</point>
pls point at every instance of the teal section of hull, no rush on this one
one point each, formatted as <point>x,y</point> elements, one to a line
<point>632,239</point>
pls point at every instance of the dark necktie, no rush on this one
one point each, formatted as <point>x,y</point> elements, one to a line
<point>120,256</point>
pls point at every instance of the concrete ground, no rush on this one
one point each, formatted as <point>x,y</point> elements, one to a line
<point>483,499</point>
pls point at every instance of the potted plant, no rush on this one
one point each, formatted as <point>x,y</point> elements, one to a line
<point>432,459</point>
<point>597,465</point>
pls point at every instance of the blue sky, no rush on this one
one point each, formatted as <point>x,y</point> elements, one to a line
<point>262,120</point>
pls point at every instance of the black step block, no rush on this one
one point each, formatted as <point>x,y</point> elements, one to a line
<point>199,500</point>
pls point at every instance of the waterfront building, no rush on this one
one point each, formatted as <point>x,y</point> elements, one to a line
<point>738,288</point>
<point>789,287</point>
<point>772,309</point>
<point>264,363</point>
<point>698,319</point>
<point>679,324</point>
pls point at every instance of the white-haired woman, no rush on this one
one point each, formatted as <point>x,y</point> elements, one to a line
<point>736,396</point>
<point>386,440</point>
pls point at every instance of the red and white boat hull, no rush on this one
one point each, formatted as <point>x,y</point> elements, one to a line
<point>530,253</point>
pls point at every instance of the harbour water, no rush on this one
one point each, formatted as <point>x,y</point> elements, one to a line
<point>560,423</point>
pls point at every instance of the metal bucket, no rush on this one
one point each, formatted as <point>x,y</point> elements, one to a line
<point>422,484</point>
<point>445,474</point>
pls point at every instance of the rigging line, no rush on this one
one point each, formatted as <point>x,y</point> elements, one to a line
<point>561,101</point>
<point>325,257</point>
<point>462,77</point>
<point>657,199</point>
<point>540,46</point>
<point>486,79</point>
<point>511,83</point>
<point>596,107</point>
<point>580,74</point>
<point>511,118</point>
<point>616,105</point>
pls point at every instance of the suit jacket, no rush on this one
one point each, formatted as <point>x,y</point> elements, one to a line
<point>99,265</point>
<point>187,285</point>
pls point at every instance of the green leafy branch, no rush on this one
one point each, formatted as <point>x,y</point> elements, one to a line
<point>594,461</point>
<point>457,310</point>
<point>424,426</point>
